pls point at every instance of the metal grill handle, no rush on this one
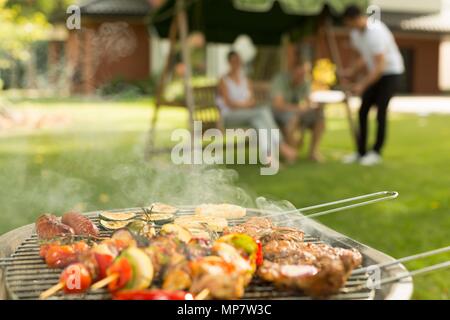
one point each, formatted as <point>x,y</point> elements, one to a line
<point>368,199</point>
<point>424,270</point>
<point>373,198</point>
<point>404,259</point>
<point>374,284</point>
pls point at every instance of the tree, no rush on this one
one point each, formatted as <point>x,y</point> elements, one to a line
<point>52,9</point>
<point>17,31</point>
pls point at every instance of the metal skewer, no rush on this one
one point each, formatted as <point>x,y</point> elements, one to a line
<point>378,283</point>
<point>404,259</point>
<point>203,295</point>
<point>378,197</point>
<point>424,270</point>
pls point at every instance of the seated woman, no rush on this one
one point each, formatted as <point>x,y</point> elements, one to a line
<point>238,106</point>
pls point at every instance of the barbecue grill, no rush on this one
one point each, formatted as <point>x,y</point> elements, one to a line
<point>25,275</point>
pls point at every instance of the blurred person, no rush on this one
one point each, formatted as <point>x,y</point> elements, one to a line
<point>238,105</point>
<point>379,54</point>
<point>294,110</point>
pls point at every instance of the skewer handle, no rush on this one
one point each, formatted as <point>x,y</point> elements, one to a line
<point>372,198</point>
<point>51,291</point>
<point>433,267</point>
<point>368,199</point>
<point>376,284</point>
<point>404,259</point>
<point>202,295</point>
<point>104,282</point>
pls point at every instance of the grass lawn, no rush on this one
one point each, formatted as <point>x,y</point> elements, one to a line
<point>96,163</point>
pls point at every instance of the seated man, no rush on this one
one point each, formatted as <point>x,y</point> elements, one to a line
<point>238,106</point>
<point>293,109</point>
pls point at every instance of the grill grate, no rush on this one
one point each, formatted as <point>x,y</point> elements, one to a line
<point>27,276</point>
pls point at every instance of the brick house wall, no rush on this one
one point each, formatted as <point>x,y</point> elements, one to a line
<point>107,49</point>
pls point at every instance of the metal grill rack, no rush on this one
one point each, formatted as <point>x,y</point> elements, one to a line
<point>26,275</point>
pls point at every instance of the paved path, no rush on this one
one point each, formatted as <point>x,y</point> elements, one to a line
<point>418,105</point>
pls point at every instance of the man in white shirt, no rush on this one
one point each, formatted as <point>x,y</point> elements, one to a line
<point>380,56</point>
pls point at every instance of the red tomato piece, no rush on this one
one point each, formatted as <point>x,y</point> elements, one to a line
<point>152,295</point>
<point>104,261</point>
<point>76,278</point>
<point>123,269</point>
<point>60,256</point>
<point>81,246</point>
<point>259,254</point>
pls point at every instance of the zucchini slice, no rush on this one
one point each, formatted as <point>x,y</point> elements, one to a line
<point>117,216</point>
<point>142,268</point>
<point>113,225</point>
<point>158,207</point>
<point>160,218</point>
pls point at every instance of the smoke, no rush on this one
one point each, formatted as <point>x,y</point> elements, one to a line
<point>199,184</point>
<point>92,166</point>
<point>113,41</point>
<point>57,186</point>
<point>162,181</point>
<point>25,193</point>
<point>274,206</point>
<point>180,185</point>
<point>281,212</point>
<point>93,176</point>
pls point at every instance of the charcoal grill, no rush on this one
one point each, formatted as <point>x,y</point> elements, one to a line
<point>25,275</point>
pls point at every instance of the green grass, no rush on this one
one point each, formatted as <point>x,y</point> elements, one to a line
<point>96,163</point>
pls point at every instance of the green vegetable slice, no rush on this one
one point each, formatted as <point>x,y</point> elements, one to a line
<point>142,268</point>
<point>113,225</point>
<point>117,216</point>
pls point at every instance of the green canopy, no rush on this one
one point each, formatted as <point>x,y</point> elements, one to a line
<point>263,20</point>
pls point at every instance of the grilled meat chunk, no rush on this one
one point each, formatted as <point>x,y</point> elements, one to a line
<point>197,248</point>
<point>178,277</point>
<point>283,242</point>
<point>294,252</point>
<point>255,227</point>
<point>283,233</point>
<point>49,226</point>
<point>80,224</point>
<point>225,273</point>
<point>351,258</point>
<point>264,230</point>
<point>221,278</point>
<point>317,269</point>
<point>322,279</point>
<point>163,251</point>
<point>178,273</point>
<point>288,252</point>
<point>292,264</point>
<point>168,254</point>
<point>276,241</point>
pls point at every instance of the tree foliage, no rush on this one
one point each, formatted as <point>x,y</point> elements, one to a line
<point>23,22</point>
<point>52,9</point>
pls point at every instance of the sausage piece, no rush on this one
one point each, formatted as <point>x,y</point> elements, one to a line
<point>48,227</point>
<point>80,224</point>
